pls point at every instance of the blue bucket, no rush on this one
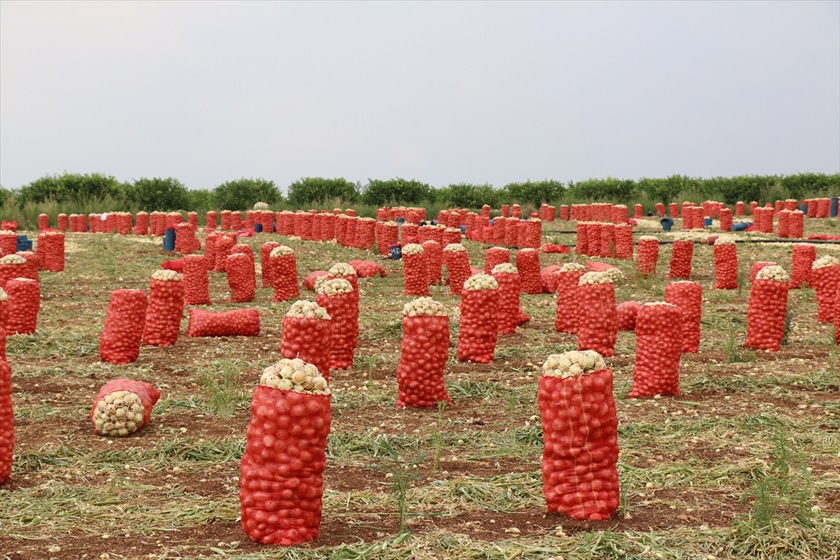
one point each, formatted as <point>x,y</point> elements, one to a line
<point>741,226</point>
<point>463,229</point>
<point>257,228</point>
<point>666,223</point>
<point>707,222</point>
<point>396,251</point>
<point>833,207</point>
<point>169,240</point>
<point>23,243</point>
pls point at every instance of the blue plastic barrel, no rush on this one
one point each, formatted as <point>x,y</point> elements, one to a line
<point>463,229</point>
<point>804,208</point>
<point>23,243</point>
<point>833,208</point>
<point>396,251</point>
<point>257,228</point>
<point>741,226</point>
<point>707,222</point>
<point>169,240</point>
<point>666,223</point>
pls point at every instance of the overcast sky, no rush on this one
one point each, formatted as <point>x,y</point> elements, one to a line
<point>442,92</point>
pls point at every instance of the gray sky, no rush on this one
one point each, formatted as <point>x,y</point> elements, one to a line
<point>440,92</point>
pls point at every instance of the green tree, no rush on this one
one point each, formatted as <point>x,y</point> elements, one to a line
<point>534,192</point>
<point>316,190</point>
<point>158,194</point>
<point>396,191</point>
<point>71,187</point>
<point>467,195</point>
<point>200,200</point>
<point>242,194</point>
<point>618,190</point>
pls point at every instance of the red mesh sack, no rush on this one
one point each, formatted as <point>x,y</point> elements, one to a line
<point>336,296</point>
<point>673,210</point>
<point>804,255</point>
<point>236,322</point>
<point>725,219</point>
<point>479,323</point>
<point>124,224</point>
<point>507,315</point>
<point>166,306</point>
<point>423,355</point>
<point>494,256</point>
<point>825,277</point>
<point>210,251</point>
<point>53,253</point>
<point>607,241</point>
<point>433,253</point>
<point>33,262</point>
<point>265,263</point>
<point>123,407</point>
<point>222,248</point>
<point>281,475</point>
<point>767,309</point>
<point>309,281</point>
<point>623,241</point>
<point>625,315</point>
<point>8,242</point>
<point>566,311</point>
<point>499,231</point>
<point>307,334</point>
<point>43,222</point>
<point>512,232</point>
<point>196,281</point>
<point>347,272</point>
<point>368,269</point>
<point>225,216</point>
<point>122,335</point>
<point>241,278</point>
<point>726,265</point>
<point>414,266</point>
<point>756,266</point>
<point>796,225</point>
<point>185,240</point>
<point>352,225</point>
<point>451,235</point>
<point>533,233</point>
<point>341,230</point>
<point>528,265</point>
<point>784,224</point>
<point>387,234</point>
<point>681,255</point>
<point>580,436</point>
<point>564,213</point>
<point>11,267</point>
<point>61,222</point>
<point>688,297</point>
<point>516,211</point>
<point>548,278</point>
<point>7,422</point>
<point>458,266</point>
<point>596,328</point>
<point>366,233</point>
<point>648,255</point>
<point>739,208</point>
<point>593,237</point>
<point>658,349</point>
<point>24,302</point>
<point>284,273</point>
<point>235,221</point>
<point>210,220</point>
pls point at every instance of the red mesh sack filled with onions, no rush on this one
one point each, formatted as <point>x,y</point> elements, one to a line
<point>658,349</point>
<point>236,322</point>
<point>366,234</point>
<point>458,267</point>
<point>33,262</point>
<point>7,422</point>
<point>11,267</point>
<point>528,265</point>
<point>566,308</point>
<point>196,281</point>
<point>580,436</point>
<point>433,252</point>
<point>825,277</point>
<point>53,253</point>
<point>222,248</point>
<point>648,255</point>
<point>596,328</point>
<point>784,224</point>
<point>796,225</point>
<point>548,278</point>
<point>479,323</point>
<point>757,266</point>
<point>281,474</point>
<point>241,277</point>
<point>804,255</point>
<point>368,269</point>
<point>336,297</point>
<point>625,315</point>
<point>688,297</point>
<point>423,356</point>
<point>414,267</point>
<point>507,314</point>
<point>283,265</point>
<point>767,309</point>
<point>623,236</point>
<point>726,264</point>
<point>494,256</point>
<point>23,305</point>
<point>387,234</point>
<point>122,334</point>
<point>166,306</point>
<point>681,255</point>
<point>123,407</point>
<point>307,334</point>
<point>346,272</point>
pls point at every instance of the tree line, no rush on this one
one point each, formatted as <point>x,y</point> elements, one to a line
<point>164,194</point>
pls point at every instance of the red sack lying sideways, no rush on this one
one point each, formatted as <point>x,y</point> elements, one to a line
<point>368,269</point>
<point>122,407</point>
<point>236,322</point>
<point>580,432</point>
<point>7,424</point>
<point>309,281</point>
<point>10,226</point>
<point>176,265</point>
<point>595,266</point>
<point>554,248</point>
<point>625,315</point>
<point>548,278</point>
